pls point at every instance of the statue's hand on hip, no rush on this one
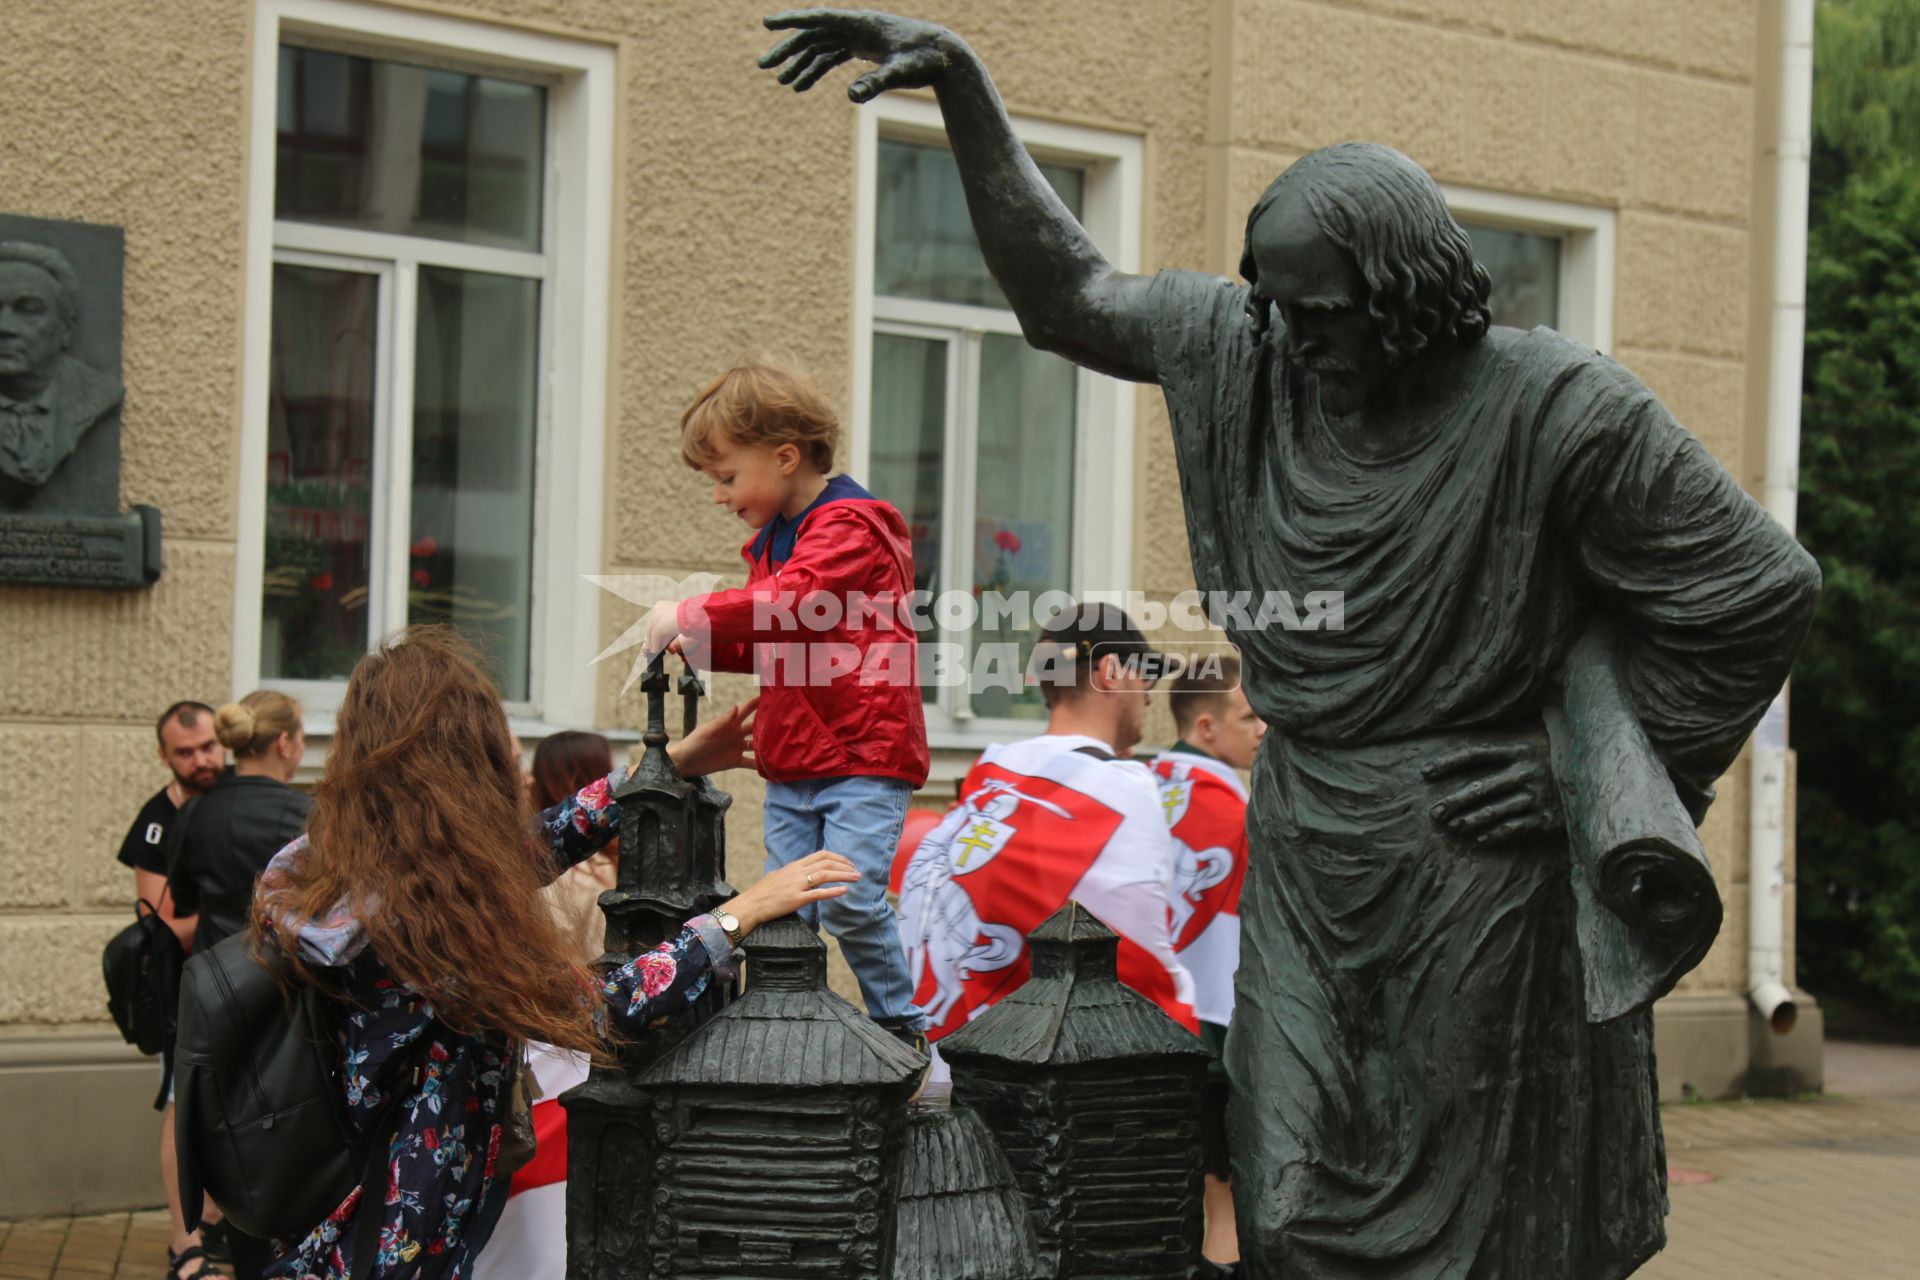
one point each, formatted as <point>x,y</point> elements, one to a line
<point>909,54</point>
<point>1504,793</point>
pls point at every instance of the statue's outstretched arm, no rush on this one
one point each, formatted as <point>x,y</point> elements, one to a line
<point>1069,298</point>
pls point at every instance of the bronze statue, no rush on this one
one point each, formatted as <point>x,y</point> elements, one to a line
<point>1474,865</point>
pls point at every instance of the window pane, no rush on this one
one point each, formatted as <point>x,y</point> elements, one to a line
<point>313,607</point>
<point>470,544</point>
<point>907,457</point>
<point>388,147</point>
<point>924,242</point>
<point>1023,509</point>
<point>1526,275</point>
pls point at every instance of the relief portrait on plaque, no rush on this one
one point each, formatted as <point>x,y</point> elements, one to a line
<point>60,411</point>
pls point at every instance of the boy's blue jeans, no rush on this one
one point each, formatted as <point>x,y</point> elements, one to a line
<point>860,819</point>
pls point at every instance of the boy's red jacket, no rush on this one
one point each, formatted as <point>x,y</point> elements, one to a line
<point>840,692</point>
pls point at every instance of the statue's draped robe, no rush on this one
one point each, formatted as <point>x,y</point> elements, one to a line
<point>1417,1090</point>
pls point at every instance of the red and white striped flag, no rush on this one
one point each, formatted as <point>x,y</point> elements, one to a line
<point>530,1240</point>
<point>1039,822</point>
<point>1205,804</point>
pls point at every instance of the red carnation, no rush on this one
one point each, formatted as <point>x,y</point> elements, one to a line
<point>421,578</point>
<point>1008,541</point>
<point>322,581</point>
<point>425,547</point>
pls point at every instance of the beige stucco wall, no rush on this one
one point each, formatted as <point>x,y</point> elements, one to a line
<point>101,129</point>
<point>734,234</point>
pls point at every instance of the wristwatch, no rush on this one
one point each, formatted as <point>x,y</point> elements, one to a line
<point>730,925</point>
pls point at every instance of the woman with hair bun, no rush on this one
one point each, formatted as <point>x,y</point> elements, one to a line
<point>222,841</point>
<point>217,848</point>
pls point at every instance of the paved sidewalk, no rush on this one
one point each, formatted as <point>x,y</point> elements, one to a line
<point>114,1246</point>
<point>1827,1189</point>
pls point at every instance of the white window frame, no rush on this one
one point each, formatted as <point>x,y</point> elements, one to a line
<point>1101,562</point>
<point>1586,235</point>
<point>576,265</point>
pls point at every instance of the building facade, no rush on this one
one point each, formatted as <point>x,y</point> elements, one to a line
<point>415,294</point>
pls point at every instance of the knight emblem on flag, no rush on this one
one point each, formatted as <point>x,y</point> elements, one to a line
<point>964,912</point>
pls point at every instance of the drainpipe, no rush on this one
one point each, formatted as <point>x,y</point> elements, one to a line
<point>1767,826</point>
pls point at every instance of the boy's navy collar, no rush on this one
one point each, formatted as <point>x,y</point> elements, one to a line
<point>782,533</point>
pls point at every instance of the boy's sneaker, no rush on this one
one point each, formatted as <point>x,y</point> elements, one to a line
<point>917,1041</point>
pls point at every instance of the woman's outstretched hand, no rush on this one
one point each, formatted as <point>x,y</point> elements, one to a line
<point>719,742</point>
<point>1507,792</point>
<point>782,892</point>
<point>910,54</point>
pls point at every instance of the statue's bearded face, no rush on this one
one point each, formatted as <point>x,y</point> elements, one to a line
<point>1319,294</point>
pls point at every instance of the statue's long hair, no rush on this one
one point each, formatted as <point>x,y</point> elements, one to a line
<point>1424,285</point>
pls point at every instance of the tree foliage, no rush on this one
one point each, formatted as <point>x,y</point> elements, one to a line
<point>1856,701</point>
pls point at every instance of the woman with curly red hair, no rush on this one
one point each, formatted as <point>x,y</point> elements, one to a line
<point>415,894</point>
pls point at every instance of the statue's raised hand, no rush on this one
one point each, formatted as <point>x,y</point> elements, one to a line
<point>910,54</point>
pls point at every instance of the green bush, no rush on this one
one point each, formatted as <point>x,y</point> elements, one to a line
<point>1856,693</point>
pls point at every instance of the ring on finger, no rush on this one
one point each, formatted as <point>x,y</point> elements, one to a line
<point>809,879</point>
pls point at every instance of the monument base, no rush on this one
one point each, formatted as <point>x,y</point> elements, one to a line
<point>116,552</point>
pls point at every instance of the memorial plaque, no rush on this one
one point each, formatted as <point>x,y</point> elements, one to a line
<point>60,399</point>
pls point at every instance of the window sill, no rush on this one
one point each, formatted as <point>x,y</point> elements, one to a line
<point>530,730</point>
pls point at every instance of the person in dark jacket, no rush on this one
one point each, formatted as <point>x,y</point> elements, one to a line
<point>222,840</point>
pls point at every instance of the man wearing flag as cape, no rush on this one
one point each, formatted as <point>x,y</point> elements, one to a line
<point>1042,821</point>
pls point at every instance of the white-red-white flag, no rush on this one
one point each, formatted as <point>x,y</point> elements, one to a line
<point>1040,822</point>
<point>1205,804</point>
<point>530,1240</point>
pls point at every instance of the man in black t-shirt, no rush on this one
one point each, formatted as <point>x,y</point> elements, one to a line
<point>196,759</point>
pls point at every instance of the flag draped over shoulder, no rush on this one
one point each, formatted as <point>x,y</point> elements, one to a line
<point>1205,804</point>
<point>1039,823</point>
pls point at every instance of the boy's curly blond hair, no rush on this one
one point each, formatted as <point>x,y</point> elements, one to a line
<point>760,404</point>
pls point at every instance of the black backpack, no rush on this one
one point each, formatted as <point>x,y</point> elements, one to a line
<point>260,1107</point>
<point>141,964</point>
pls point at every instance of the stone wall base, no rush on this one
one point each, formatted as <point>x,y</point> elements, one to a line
<point>1716,1046</point>
<point>78,1132</point>
<point>81,1135</point>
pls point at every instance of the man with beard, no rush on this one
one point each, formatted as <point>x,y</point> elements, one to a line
<point>196,759</point>
<point>1472,860</point>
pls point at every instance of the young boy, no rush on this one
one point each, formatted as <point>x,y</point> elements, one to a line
<point>840,736</point>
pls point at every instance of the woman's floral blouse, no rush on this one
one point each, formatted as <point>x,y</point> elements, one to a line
<point>441,1197</point>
